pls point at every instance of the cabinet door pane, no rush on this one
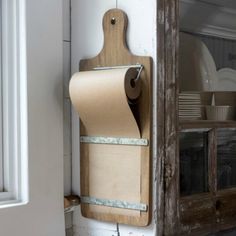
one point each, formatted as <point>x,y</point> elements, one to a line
<point>193,162</point>
<point>226,158</point>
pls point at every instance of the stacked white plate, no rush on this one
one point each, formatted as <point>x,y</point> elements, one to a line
<point>197,68</point>
<point>190,107</point>
<point>226,80</point>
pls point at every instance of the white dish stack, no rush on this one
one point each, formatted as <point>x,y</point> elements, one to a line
<point>190,107</point>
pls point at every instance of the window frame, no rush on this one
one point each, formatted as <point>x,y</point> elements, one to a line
<point>1,128</point>
<point>14,103</point>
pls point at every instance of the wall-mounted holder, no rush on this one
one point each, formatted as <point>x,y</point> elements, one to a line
<point>115,54</point>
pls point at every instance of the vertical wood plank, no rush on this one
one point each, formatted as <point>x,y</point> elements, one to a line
<point>159,175</point>
<point>168,163</point>
<point>171,217</point>
<point>212,174</point>
<point>212,162</point>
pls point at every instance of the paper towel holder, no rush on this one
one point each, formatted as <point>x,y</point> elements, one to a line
<point>115,54</point>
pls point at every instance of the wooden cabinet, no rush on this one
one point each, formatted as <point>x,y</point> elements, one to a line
<point>196,186</point>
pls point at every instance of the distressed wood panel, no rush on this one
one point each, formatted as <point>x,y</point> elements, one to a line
<point>159,175</point>
<point>206,124</point>
<point>171,218</point>
<point>168,163</point>
<point>212,164</point>
<point>196,214</point>
<point>226,209</point>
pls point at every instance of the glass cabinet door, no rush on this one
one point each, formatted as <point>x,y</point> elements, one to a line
<point>193,162</point>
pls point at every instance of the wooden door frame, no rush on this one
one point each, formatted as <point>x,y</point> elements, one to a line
<point>167,166</point>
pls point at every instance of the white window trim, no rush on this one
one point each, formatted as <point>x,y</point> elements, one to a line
<point>14,90</point>
<point>1,128</point>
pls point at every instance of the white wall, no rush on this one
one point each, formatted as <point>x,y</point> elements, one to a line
<point>87,41</point>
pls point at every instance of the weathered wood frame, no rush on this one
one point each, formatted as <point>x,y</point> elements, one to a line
<point>171,209</point>
<point>167,160</point>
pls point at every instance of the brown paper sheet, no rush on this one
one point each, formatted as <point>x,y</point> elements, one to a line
<point>102,100</point>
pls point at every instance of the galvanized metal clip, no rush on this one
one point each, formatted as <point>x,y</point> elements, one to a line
<point>114,203</point>
<point>113,140</point>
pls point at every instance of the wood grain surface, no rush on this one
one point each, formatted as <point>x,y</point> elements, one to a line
<point>115,53</point>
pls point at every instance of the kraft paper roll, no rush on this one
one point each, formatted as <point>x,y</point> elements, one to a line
<point>102,100</point>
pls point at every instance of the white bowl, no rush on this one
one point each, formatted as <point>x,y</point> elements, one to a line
<point>220,113</point>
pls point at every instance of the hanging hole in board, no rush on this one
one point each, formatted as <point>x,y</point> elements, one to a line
<point>113,21</point>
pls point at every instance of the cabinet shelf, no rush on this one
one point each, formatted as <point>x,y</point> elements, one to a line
<point>205,124</point>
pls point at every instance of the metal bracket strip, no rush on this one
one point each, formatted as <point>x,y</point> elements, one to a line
<point>116,141</point>
<point>137,66</point>
<point>114,203</point>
